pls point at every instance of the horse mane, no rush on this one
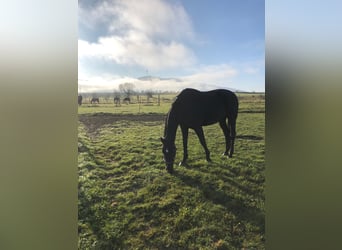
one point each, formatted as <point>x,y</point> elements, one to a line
<point>166,124</point>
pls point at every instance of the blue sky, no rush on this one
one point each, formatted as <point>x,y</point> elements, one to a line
<point>200,44</point>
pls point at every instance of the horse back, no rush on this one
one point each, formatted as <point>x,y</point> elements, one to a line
<point>195,107</point>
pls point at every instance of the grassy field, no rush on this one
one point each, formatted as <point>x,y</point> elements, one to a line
<point>128,201</point>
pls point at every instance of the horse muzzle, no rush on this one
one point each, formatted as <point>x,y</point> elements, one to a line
<point>169,167</point>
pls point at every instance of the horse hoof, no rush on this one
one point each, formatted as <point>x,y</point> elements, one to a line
<point>169,170</point>
<point>184,164</point>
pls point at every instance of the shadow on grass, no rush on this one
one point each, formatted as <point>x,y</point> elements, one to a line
<point>228,175</point>
<point>249,137</point>
<point>236,206</point>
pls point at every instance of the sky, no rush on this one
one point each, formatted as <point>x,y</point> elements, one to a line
<point>178,44</point>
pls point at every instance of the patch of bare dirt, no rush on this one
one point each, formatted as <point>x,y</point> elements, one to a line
<point>94,121</point>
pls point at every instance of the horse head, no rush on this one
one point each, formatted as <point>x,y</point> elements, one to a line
<point>169,151</point>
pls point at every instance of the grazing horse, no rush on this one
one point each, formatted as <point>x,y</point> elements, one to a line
<point>127,100</point>
<point>95,100</point>
<point>79,100</point>
<point>194,109</point>
<point>117,101</point>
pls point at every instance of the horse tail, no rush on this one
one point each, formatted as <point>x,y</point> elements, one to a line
<point>233,113</point>
<point>233,109</point>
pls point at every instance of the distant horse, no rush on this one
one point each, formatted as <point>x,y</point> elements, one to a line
<point>95,100</point>
<point>117,101</point>
<point>194,109</point>
<point>79,100</point>
<point>127,100</point>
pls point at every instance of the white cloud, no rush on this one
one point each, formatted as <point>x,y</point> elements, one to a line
<point>147,33</point>
<point>251,70</point>
<point>208,77</point>
<point>155,18</point>
<point>136,49</point>
<point>212,74</point>
<point>253,67</point>
<point>103,83</point>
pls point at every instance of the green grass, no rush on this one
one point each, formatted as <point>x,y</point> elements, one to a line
<point>123,109</point>
<point>128,201</point>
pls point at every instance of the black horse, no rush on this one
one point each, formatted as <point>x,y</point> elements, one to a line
<point>80,100</point>
<point>117,101</point>
<point>194,109</point>
<point>95,100</point>
<point>127,100</point>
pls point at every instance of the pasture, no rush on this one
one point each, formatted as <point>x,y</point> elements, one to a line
<point>127,200</point>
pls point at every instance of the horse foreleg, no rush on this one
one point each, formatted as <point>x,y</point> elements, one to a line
<point>200,134</point>
<point>185,131</point>
<point>226,133</point>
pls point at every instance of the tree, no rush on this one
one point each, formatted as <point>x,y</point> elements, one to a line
<point>127,89</point>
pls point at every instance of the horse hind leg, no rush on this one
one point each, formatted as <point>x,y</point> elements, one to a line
<point>200,134</point>
<point>226,132</point>
<point>232,124</point>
